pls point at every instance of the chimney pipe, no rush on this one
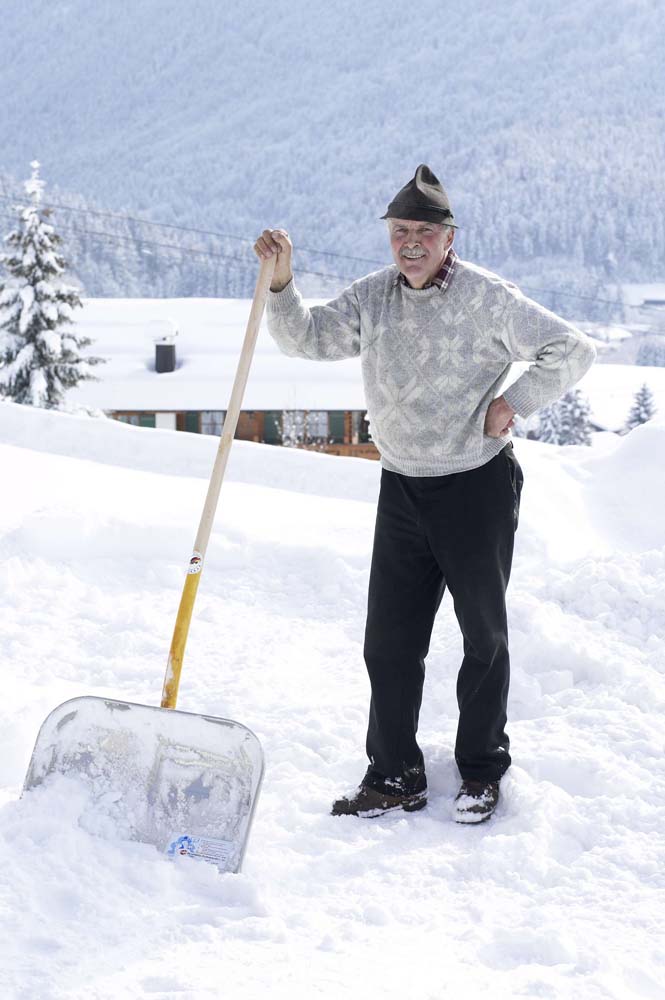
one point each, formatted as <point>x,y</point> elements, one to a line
<point>163,333</point>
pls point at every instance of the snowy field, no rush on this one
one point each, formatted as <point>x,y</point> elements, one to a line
<point>560,896</point>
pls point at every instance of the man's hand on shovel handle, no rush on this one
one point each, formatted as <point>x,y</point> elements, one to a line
<point>277,241</point>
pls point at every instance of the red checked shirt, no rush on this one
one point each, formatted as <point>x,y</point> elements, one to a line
<point>443,276</point>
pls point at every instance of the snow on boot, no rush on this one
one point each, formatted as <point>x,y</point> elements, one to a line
<point>368,802</point>
<point>476,801</point>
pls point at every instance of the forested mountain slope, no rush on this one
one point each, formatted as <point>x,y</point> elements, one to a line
<point>544,121</point>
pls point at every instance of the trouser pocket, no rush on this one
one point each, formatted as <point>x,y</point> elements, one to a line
<point>516,480</point>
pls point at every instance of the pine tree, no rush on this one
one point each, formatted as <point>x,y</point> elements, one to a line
<point>549,426</point>
<point>519,428</point>
<point>39,352</point>
<point>643,407</point>
<point>575,415</point>
<point>651,353</point>
<point>567,420</point>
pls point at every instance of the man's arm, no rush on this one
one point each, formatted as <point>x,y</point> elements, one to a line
<point>322,333</point>
<point>561,354</point>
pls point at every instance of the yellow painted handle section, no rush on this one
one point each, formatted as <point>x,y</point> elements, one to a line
<point>180,632</point>
<point>184,616</point>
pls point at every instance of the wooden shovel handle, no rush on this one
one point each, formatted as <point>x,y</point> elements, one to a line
<point>181,630</point>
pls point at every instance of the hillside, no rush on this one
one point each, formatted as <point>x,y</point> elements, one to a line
<point>545,122</point>
<point>95,532</point>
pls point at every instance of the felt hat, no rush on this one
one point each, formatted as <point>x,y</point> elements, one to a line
<point>423,199</point>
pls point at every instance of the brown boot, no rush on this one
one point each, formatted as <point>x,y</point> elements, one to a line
<point>368,803</point>
<point>476,801</point>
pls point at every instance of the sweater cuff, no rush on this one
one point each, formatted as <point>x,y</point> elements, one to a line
<point>517,397</point>
<point>284,300</point>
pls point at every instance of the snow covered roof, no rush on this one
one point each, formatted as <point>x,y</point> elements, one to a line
<point>606,334</point>
<point>208,344</point>
<point>637,295</point>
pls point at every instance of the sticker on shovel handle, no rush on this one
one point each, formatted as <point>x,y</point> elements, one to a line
<point>195,563</point>
<point>215,852</point>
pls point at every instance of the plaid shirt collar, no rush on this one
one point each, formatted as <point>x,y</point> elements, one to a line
<point>442,278</point>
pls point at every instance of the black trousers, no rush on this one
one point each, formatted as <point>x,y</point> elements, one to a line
<point>432,532</point>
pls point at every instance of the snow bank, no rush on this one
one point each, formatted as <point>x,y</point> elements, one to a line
<point>96,529</point>
<point>180,454</point>
<point>627,487</point>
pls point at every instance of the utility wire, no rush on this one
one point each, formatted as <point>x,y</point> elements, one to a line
<point>101,237</point>
<point>220,235</point>
<point>189,229</point>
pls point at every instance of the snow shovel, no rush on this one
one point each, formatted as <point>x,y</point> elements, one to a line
<point>186,783</point>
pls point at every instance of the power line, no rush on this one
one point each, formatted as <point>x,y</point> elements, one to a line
<point>189,229</point>
<point>101,238</point>
<point>220,235</point>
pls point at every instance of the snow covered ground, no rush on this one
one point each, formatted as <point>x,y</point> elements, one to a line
<point>560,895</point>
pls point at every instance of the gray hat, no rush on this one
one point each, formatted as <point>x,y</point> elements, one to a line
<point>423,199</point>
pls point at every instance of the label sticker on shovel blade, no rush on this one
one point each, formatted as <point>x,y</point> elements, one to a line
<point>216,852</point>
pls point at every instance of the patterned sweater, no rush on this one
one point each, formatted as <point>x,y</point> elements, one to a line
<point>434,359</point>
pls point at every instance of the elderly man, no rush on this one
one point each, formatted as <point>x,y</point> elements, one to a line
<point>436,336</point>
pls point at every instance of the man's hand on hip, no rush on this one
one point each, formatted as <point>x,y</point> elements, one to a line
<point>499,418</point>
<point>277,241</point>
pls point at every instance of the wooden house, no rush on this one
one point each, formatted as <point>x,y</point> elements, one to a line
<point>171,364</point>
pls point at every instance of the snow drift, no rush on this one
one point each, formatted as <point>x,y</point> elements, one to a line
<point>558,896</point>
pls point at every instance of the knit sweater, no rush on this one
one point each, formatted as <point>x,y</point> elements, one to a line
<point>433,360</point>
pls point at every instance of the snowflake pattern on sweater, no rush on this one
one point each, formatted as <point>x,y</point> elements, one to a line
<point>433,359</point>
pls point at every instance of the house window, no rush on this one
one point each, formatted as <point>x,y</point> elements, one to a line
<point>137,419</point>
<point>317,425</point>
<point>212,422</point>
<point>294,427</point>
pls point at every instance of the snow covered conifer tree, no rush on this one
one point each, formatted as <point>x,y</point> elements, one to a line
<point>566,421</point>
<point>575,414</point>
<point>519,428</point>
<point>651,353</point>
<point>549,426</point>
<point>642,409</point>
<point>39,352</point>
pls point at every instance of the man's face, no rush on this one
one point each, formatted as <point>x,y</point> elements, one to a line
<point>419,248</point>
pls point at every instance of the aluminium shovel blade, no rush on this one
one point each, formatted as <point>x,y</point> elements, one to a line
<point>186,783</point>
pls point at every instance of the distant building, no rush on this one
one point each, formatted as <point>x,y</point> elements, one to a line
<point>318,405</point>
<point>337,432</point>
<point>642,303</point>
<point>171,364</point>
